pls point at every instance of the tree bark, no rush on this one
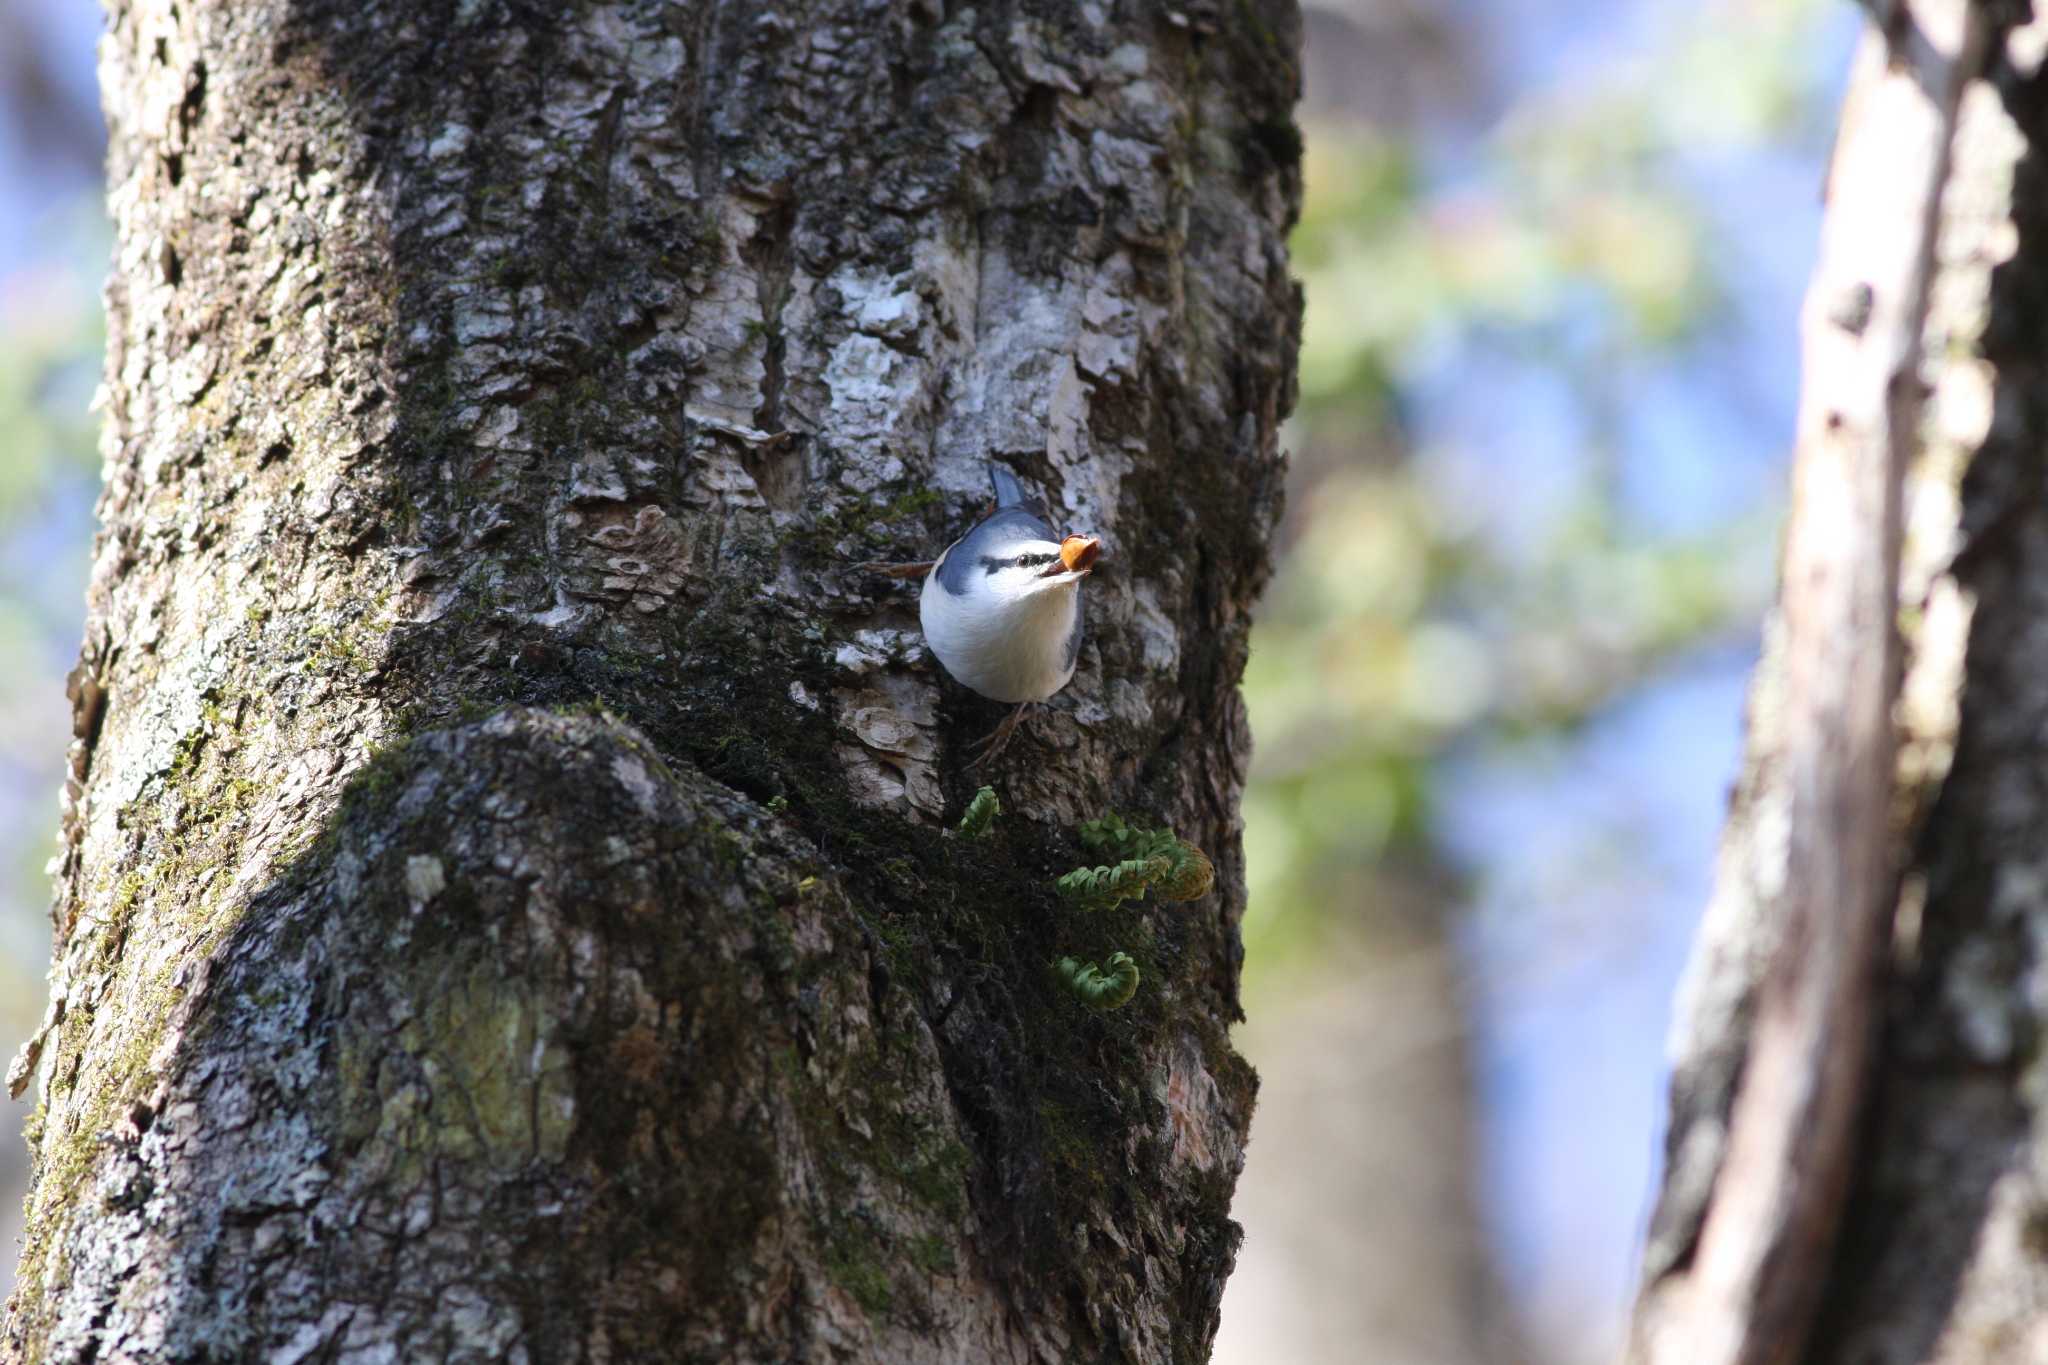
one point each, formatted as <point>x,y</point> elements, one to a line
<point>507,908</point>
<point>1929,1247</point>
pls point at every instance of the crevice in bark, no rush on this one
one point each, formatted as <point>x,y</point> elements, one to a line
<point>775,464</point>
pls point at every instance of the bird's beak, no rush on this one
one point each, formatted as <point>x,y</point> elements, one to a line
<point>1077,556</point>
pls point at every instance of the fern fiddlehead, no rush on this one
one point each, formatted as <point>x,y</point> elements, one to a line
<point>1137,860</point>
<point>1146,859</point>
<point>1106,987</point>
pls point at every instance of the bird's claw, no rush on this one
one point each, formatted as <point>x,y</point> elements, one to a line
<point>994,742</point>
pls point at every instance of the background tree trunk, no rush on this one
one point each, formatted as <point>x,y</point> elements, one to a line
<point>1934,1250</point>
<point>505,910</point>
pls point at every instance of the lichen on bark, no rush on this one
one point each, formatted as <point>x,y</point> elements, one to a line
<point>505,909</point>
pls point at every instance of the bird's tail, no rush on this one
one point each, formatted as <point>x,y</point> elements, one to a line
<point>1009,492</point>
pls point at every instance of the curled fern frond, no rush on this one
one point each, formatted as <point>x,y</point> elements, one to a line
<point>1190,876</point>
<point>1106,987</point>
<point>1100,888</point>
<point>981,813</point>
<point>1172,868</point>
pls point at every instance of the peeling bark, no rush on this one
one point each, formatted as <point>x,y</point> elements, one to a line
<point>1811,863</point>
<point>505,908</point>
<point>1939,1255</point>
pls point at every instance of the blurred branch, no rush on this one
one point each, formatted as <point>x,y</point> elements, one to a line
<point>1757,1172</point>
<point>52,121</point>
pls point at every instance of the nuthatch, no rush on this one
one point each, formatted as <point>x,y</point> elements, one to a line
<point>1001,608</point>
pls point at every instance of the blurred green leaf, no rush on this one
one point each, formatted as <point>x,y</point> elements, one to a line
<point>1393,632</point>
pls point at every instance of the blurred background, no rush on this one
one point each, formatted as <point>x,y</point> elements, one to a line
<point>1553,256</point>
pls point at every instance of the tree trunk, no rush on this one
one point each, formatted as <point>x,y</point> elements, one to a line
<point>1907,1226</point>
<point>507,907</point>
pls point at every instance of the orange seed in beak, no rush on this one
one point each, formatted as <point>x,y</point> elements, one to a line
<point>1078,552</point>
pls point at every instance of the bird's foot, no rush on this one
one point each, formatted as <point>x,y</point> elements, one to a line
<point>993,745</point>
<point>916,570</point>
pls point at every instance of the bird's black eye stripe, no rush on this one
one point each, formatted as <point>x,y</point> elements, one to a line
<point>993,564</point>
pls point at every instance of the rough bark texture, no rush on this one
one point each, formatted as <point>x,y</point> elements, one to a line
<point>1940,1255</point>
<point>1810,868</point>
<point>506,910</point>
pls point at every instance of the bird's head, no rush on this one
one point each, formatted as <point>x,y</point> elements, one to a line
<point>1027,568</point>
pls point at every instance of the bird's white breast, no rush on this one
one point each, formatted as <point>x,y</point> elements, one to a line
<point>1014,650</point>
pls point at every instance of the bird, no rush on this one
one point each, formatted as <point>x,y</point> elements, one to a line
<point>1001,607</point>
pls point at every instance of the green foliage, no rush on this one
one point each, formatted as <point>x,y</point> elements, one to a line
<point>50,342</point>
<point>1154,860</point>
<point>1108,987</point>
<point>1576,250</point>
<point>1103,887</point>
<point>1146,860</point>
<point>981,813</point>
<point>1111,837</point>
